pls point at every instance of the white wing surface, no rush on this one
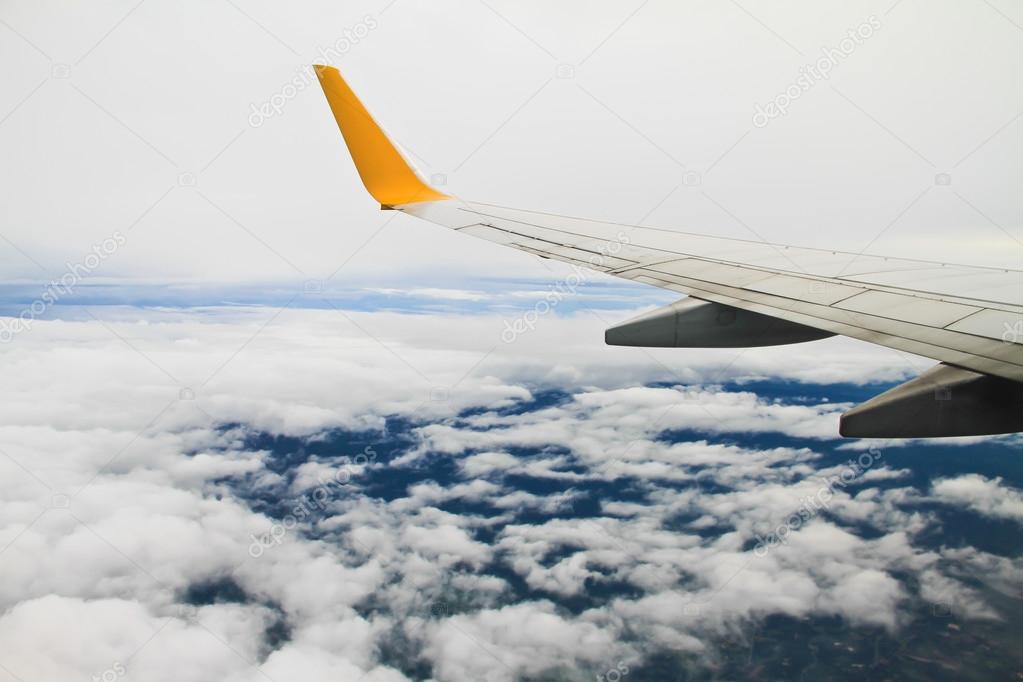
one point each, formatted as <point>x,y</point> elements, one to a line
<point>961,315</point>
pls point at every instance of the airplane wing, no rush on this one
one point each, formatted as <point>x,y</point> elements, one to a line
<point>748,293</point>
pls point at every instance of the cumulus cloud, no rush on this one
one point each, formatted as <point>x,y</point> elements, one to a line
<point>983,495</point>
<point>523,639</point>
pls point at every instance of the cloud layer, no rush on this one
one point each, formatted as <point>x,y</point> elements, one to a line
<point>310,494</point>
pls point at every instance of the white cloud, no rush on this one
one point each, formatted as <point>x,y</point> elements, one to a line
<point>524,639</point>
<point>986,496</point>
<point>443,294</point>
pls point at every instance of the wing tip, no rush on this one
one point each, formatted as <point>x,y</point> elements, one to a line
<point>385,172</point>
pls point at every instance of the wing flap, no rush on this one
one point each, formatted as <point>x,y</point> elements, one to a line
<point>915,309</point>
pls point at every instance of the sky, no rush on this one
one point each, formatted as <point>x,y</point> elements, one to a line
<point>143,118</point>
<point>256,429</point>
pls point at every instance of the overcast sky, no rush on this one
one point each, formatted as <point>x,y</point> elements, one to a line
<point>137,117</point>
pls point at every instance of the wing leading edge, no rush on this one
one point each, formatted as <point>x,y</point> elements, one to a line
<point>968,318</point>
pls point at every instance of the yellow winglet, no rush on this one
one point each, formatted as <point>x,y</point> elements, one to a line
<point>384,171</point>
